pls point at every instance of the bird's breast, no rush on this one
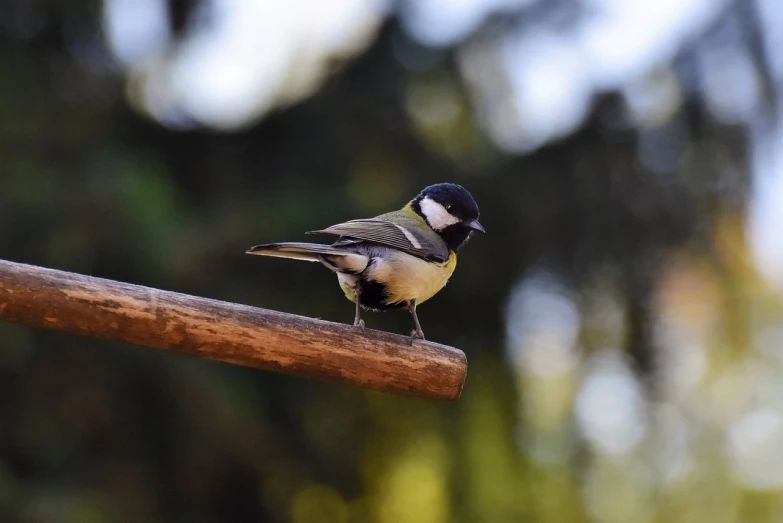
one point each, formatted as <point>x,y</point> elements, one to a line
<point>405,277</point>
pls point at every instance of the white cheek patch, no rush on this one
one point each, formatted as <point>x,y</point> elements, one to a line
<point>437,215</point>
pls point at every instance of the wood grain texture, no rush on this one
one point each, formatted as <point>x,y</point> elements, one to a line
<point>228,332</point>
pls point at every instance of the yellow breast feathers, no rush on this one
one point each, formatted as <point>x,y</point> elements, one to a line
<point>409,278</point>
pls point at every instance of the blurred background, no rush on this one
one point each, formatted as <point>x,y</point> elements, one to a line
<point>622,319</point>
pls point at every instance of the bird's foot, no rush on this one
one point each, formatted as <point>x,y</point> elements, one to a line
<point>359,323</point>
<point>416,334</point>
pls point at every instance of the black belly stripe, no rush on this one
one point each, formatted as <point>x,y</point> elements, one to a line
<point>373,296</point>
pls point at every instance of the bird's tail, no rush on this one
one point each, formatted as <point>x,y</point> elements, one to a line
<point>339,260</point>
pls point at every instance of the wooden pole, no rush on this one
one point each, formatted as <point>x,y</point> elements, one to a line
<point>228,332</point>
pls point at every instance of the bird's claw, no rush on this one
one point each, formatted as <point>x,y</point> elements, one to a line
<point>359,324</point>
<point>416,335</point>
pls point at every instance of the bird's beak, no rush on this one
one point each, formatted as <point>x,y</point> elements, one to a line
<point>476,226</point>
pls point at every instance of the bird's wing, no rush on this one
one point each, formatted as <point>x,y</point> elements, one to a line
<point>383,232</point>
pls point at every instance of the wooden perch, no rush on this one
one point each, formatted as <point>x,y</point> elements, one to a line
<point>228,332</point>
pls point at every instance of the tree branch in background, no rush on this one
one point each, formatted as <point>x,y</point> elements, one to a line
<point>228,332</point>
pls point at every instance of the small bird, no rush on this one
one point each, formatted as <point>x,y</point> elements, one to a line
<point>397,260</point>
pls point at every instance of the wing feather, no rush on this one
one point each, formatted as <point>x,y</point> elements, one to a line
<point>398,236</point>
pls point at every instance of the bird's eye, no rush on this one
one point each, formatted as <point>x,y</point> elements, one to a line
<point>449,208</point>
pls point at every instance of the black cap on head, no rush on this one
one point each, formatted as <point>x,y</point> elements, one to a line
<point>450,211</point>
<point>455,198</point>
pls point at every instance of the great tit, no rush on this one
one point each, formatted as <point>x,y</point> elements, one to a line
<point>397,260</point>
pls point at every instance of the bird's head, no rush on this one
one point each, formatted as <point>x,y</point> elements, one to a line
<point>450,211</point>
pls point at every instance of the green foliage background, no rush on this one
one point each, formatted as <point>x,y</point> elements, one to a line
<point>98,432</point>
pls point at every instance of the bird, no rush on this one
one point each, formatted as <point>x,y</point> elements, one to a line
<point>396,260</point>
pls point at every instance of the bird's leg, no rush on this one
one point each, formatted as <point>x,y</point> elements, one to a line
<point>417,334</point>
<point>358,321</point>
